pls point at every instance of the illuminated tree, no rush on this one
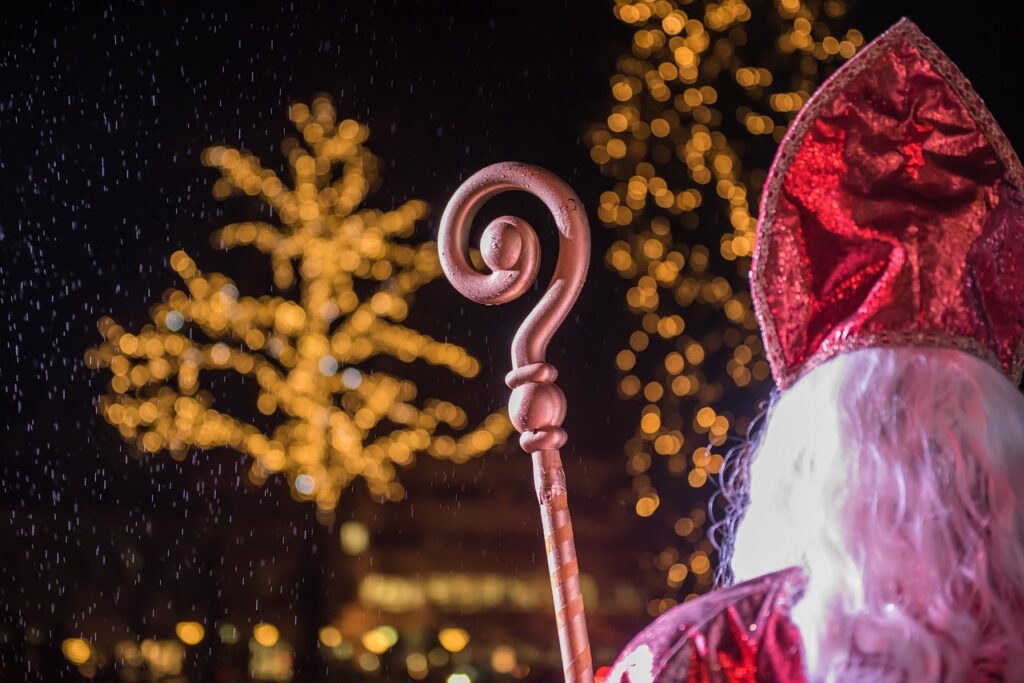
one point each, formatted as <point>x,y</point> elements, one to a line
<point>700,102</point>
<point>347,276</point>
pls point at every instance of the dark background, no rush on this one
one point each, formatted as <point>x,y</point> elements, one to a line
<point>104,110</point>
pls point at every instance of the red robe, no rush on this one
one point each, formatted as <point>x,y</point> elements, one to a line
<point>735,635</point>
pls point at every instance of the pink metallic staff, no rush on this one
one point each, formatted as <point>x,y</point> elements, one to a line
<point>537,407</point>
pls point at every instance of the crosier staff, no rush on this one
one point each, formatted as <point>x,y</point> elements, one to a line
<point>510,249</point>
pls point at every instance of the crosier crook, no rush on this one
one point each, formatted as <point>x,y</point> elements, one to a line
<point>510,249</point>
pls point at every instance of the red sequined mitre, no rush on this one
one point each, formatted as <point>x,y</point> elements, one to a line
<point>892,216</point>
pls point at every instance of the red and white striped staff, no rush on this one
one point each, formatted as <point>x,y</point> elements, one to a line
<point>510,249</point>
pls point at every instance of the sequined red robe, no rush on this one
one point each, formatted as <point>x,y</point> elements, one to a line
<point>741,634</point>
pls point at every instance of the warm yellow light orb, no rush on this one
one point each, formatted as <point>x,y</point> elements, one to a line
<point>503,659</point>
<point>190,632</point>
<point>453,639</point>
<point>76,650</point>
<point>355,538</point>
<point>330,636</point>
<point>266,635</point>
<point>380,640</point>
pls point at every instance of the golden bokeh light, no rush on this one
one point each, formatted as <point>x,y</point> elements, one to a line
<point>330,636</point>
<point>355,537</point>
<point>266,635</point>
<point>503,659</point>
<point>380,640</point>
<point>190,632</point>
<point>76,650</point>
<point>368,662</point>
<point>417,666</point>
<point>453,639</point>
<point>344,277</point>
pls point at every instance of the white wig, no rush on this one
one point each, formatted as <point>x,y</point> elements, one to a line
<point>895,477</point>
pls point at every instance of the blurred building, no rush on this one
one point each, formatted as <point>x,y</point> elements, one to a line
<point>465,555</point>
<point>248,586</point>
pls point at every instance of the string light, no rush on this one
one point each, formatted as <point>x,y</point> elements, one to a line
<point>698,106</point>
<point>350,274</point>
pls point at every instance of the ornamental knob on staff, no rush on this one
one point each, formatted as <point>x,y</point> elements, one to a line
<point>511,251</point>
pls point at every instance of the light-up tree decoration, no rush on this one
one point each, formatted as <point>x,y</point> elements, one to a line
<point>347,276</point>
<point>700,101</point>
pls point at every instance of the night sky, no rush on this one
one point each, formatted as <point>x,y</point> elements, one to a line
<point>104,111</point>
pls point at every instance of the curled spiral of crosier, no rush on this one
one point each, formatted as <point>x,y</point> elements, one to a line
<point>510,249</point>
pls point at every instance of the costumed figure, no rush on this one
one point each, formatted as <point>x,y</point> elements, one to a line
<point>879,528</point>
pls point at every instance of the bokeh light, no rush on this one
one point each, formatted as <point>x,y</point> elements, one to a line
<point>190,632</point>
<point>266,635</point>
<point>453,639</point>
<point>76,650</point>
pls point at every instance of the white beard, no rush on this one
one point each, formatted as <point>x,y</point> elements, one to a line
<point>895,478</point>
